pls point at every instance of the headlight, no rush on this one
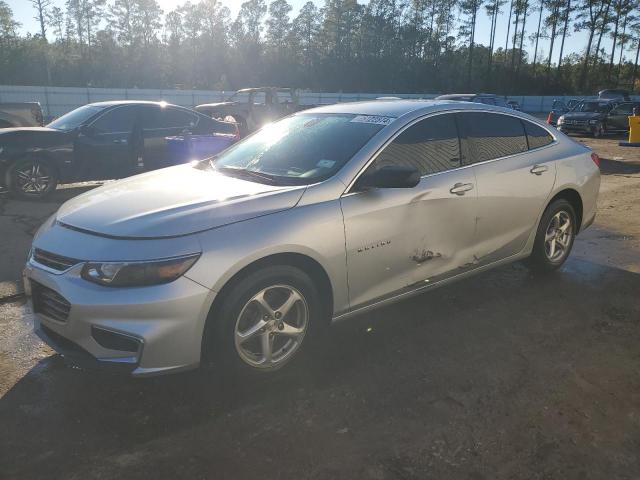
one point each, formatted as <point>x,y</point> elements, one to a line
<point>593,122</point>
<point>138,274</point>
<point>560,120</point>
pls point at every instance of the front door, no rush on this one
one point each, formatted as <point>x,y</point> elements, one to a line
<point>618,118</point>
<point>398,239</point>
<point>104,148</point>
<point>515,175</point>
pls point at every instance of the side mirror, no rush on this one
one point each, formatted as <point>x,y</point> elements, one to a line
<point>391,176</point>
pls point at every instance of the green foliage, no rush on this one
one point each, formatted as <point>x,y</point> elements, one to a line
<point>344,45</point>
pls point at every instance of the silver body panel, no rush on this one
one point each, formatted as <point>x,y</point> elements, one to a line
<point>376,246</point>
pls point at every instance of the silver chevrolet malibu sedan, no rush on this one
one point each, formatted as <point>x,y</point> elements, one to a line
<point>243,259</point>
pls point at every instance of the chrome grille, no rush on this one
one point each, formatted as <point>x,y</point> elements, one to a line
<point>53,261</point>
<point>49,302</point>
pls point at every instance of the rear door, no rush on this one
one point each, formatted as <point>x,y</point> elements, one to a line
<point>156,124</point>
<point>515,172</point>
<point>398,238</point>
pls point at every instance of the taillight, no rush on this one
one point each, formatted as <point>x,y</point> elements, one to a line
<point>595,158</point>
<point>550,118</point>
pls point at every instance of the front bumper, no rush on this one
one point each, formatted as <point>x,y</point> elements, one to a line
<point>165,322</point>
<point>577,128</point>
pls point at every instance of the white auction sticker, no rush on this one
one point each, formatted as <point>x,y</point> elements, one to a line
<point>325,164</point>
<point>374,119</point>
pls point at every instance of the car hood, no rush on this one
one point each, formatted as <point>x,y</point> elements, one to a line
<point>172,202</point>
<point>583,115</point>
<point>22,136</point>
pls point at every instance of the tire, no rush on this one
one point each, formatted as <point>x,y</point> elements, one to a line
<point>554,238</point>
<point>598,131</point>
<point>229,342</point>
<point>31,179</point>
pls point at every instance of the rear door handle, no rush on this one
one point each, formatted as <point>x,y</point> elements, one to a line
<point>461,188</point>
<point>539,169</point>
<point>120,140</point>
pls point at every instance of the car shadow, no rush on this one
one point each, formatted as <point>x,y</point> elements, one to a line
<point>458,338</point>
<point>619,167</point>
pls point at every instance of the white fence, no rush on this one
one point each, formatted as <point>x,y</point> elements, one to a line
<point>58,100</point>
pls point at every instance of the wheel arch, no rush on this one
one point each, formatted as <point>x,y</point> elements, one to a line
<point>572,196</point>
<point>40,155</point>
<point>300,260</point>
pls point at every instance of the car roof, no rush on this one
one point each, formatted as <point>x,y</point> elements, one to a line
<point>112,103</point>
<point>263,89</point>
<point>398,108</point>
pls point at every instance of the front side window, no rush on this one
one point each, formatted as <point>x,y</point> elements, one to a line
<point>623,109</point>
<point>536,135</point>
<point>300,150</point>
<point>430,146</point>
<point>492,135</point>
<point>117,120</point>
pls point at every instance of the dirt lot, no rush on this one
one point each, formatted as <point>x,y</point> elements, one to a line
<point>503,376</point>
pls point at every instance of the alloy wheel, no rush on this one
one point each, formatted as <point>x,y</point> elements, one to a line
<point>271,326</point>
<point>558,236</point>
<point>33,178</point>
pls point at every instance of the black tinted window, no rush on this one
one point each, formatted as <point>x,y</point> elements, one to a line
<point>537,136</point>
<point>492,135</point>
<point>167,117</point>
<point>120,119</point>
<point>431,146</point>
<point>623,109</point>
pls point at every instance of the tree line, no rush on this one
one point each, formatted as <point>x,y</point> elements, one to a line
<point>342,45</point>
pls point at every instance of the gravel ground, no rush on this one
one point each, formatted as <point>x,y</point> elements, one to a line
<point>502,376</point>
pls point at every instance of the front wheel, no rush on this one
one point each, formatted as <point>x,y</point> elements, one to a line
<point>32,179</point>
<point>598,131</point>
<point>554,238</point>
<point>267,320</point>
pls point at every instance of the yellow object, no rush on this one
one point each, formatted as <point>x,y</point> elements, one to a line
<point>634,129</point>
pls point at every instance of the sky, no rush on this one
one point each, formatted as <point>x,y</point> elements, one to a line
<point>23,12</point>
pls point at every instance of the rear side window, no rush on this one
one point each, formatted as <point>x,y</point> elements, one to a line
<point>492,135</point>
<point>537,136</point>
<point>167,117</point>
<point>430,145</point>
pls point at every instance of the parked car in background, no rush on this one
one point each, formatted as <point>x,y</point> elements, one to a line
<point>241,261</point>
<point>21,114</point>
<point>614,94</point>
<point>559,108</point>
<point>97,141</point>
<point>597,117</point>
<point>485,98</point>
<point>514,105</point>
<point>251,108</point>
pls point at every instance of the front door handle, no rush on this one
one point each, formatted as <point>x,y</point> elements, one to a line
<point>120,140</point>
<point>461,188</point>
<point>539,169</point>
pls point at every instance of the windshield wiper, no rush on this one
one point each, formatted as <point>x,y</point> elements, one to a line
<point>243,172</point>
